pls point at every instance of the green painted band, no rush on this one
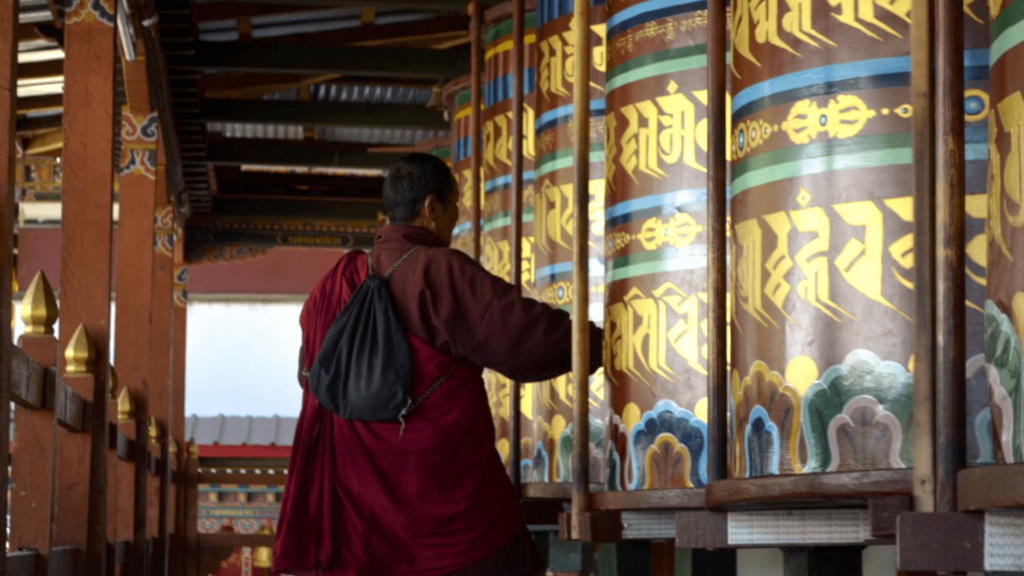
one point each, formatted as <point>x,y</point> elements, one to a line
<point>563,159</point>
<point>1010,38</point>
<point>657,261</point>
<point>503,219</point>
<point>504,28</point>
<point>1009,16</point>
<point>820,165</point>
<point>659,56</point>
<point>666,67</point>
<point>828,148</point>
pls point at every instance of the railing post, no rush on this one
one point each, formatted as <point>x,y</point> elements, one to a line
<point>86,236</point>
<point>32,453</point>
<point>127,464</point>
<point>177,418</point>
<point>192,511</point>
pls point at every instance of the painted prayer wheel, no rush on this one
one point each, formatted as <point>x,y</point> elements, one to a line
<point>547,446</point>
<point>496,238</point>
<point>456,104</point>
<point>1004,304</point>
<point>976,109</point>
<point>822,240</point>
<point>440,147</point>
<point>656,245</point>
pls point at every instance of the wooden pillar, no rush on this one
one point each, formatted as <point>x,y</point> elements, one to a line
<point>31,461</point>
<point>580,267</point>
<point>79,517</point>
<point>718,287</point>
<point>923,186</point>
<point>177,418</point>
<point>8,77</point>
<point>515,433</point>
<point>137,175</point>
<point>192,511</point>
<point>160,368</point>
<point>476,121</point>
<point>950,289</point>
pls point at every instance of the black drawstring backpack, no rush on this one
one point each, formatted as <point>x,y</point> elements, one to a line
<point>363,370</point>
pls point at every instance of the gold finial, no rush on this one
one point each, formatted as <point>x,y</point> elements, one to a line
<point>172,447</point>
<point>263,556</point>
<point>154,431</point>
<point>79,353</point>
<point>193,450</point>
<point>39,307</point>
<point>112,383</point>
<point>125,406</point>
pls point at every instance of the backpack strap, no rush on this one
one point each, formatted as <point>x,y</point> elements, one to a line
<point>391,271</point>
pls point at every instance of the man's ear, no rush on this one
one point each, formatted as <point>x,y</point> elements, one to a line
<point>431,207</point>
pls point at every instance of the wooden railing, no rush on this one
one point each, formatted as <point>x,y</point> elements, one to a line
<point>46,461</point>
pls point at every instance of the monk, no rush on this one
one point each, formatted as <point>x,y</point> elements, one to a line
<point>437,501</point>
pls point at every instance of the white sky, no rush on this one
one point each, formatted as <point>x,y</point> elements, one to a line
<point>241,360</point>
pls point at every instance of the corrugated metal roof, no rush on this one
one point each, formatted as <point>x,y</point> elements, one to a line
<point>264,131</point>
<point>367,93</point>
<point>379,136</point>
<point>306,22</point>
<point>240,430</point>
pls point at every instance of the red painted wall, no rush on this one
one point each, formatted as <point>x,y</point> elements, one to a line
<point>280,272</point>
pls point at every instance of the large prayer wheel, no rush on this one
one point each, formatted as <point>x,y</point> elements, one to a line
<point>656,244</point>
<point>822,239</point>
<point>456,96</point>
<point>1004,306</point>
<point>440,147</point>
<point>547,446</point>
<point>980,448</point>
<point>496,240</point>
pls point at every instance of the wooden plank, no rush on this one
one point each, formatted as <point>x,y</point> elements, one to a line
<point>67,561</point>
<point>235,152</point>
<point>702,529</point>
<point>325,59</point>
<point>774,491</point>
<point>580,465</point>
<point>40,123</point>
<point>923,186</point>
<point>22,563</point>
<point>648,500</point>
<point>8,96</point>
<point>70,409</point>
<point>28,381</point>
<point>988,487</point>
<point>884,513</point>
<point>351,115</point>
<point>80,506</point>
<point>547,491</point>
<point>944,541</point>
<point>950,289</point>
<point>718,283</point>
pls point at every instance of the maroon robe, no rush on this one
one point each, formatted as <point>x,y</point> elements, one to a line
<point>359,501</point>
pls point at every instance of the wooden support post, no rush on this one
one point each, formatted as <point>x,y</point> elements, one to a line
<point>31,457</point>
<point>580,267</point>
<point>923,186</point>
<point>718,287</point>
<point>192,510</point>
<point>950,289</point>
<point>80,508</point>
<point>127,479</point>
<point>177,419</point>
<point>476,12</point>
<point>137,175</point>
<point>516,256</point>
<point>160,369</point>
<point>8,115</point>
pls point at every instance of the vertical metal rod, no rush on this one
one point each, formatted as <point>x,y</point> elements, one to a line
<point>475,119</point>
<point>718,287</point>
<point>516,253</point>
<point>580,272</point>
<point>923,185</point>
<point>950,289</point>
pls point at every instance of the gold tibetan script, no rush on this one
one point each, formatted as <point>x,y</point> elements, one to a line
<point>557,72</point>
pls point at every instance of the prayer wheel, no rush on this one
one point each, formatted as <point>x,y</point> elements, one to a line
<point>822,239</point>
<point>496,240</point>
<point>440,147</point>
<point>456,105</point>
<point>656,245</point>
<point>976,110</point>
<point>1004,304</point>
<point>547,446</point>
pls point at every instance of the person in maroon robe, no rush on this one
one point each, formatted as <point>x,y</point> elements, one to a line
<point>358,499</point>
